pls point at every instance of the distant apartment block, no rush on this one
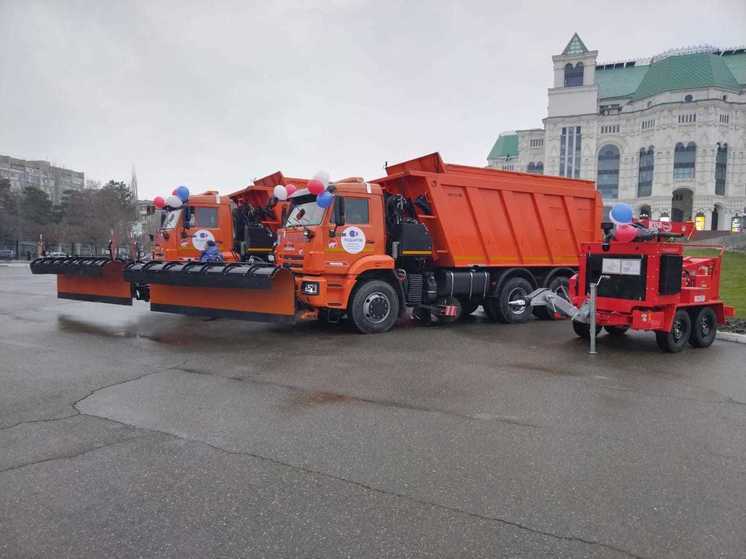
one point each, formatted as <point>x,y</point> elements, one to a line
<point>41,174</point>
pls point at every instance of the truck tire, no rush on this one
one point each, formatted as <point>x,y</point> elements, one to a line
<point>557,285</point>
<point>616,330</point>
<point>513,289</point>
<point>704,328</point>
<point>374,307</point>
<point>675,340</point>
<point>583,330</point>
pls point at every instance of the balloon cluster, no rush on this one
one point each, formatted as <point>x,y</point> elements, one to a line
<point>178,197</point>
<point>318,186</point>
<point>621,215</point>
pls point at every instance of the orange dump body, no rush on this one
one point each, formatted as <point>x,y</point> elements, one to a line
<point>487,217</point>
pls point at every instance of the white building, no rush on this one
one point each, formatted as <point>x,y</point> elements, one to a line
<point>666,134</point>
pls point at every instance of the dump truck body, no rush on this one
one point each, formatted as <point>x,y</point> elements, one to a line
<point>485,217</point>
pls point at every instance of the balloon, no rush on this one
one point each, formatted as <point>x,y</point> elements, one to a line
<point>291,188</point>
<point>625,232</point>
<point>315,186</point>
<point>322,177</point>
<point>174,202</point>
<point>182,192</point>
<point>621,213</point>
<point>324,200</point>
<point>280,192</point>
<point>159,202</point>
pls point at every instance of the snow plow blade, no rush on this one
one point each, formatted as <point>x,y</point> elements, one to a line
<point>200,274</point>
<point>87,278</point>
<point>267,297</point>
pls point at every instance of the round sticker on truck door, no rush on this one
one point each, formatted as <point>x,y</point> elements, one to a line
<point>200,238</point>
<point>353,240</point>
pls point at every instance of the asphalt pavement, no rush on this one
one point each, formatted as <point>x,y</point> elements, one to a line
<point>127,433</point>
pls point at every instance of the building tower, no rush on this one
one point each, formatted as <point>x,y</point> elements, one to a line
<point>133,184</point>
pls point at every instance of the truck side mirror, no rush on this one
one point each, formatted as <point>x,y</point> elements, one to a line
<point>339,210</point>
<point>187,216</point>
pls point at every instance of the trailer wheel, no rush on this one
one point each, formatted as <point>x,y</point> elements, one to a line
<point>675,340</point>
<point>374,307</point>
<point>583,330</point>
<point>704,328</point>
<point>559,285</point>
<point>616,330</point>
<point>511,305</point>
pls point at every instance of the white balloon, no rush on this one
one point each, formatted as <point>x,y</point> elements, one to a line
<point>174,201</point>
<point>280,192</point>
<point>322,176</point>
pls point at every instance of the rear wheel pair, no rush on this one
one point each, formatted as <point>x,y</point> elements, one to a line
<point>698,328</point>
<point>511,304</point>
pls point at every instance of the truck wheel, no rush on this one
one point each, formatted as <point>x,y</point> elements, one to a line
<point>704,328</point>
<point>616,330</point>
<point>505,307</point>
<point>374,307</point>
<point>675,340</point>
<point>559,285</point>
<point>583,330</point>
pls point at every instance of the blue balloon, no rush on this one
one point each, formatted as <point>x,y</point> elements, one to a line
<point>621,213</point>
<point>182,192</point>
<point>324,200</point>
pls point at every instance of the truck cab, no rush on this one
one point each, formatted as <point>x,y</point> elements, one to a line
<point>185,231</point>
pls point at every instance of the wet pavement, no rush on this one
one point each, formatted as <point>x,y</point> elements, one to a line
<point>126,433</point>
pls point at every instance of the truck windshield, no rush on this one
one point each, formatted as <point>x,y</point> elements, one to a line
<point>304,211</point>
<point>172,219</point>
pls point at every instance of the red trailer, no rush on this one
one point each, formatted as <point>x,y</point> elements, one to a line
<point>645,284</point>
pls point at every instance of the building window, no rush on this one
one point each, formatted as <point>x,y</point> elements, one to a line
<point>536,168</point>
<point>724,119</point>
<point>645,173</point>
<point>721,166</point>
<point>684,160</point>
<point>610,129</point>
<point>688,99</point>
<point>570,142</point>
<point>648,124</point>
<point>688,118</point>
<point>608,171</point>
<point>574,75</point>
<point>536,143</point>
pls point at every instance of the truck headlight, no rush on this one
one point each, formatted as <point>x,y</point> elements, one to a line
<point>310,287</point>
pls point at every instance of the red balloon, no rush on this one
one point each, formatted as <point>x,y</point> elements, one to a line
<point>625,232</point>
<point>159,202</point>
<point>174,191</point>
<point>315,186</point>
<point>291,188</point>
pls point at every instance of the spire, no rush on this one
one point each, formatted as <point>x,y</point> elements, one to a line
<point>575,46</point>
<point>133,183</point>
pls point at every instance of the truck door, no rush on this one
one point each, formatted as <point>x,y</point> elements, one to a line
<point>358,237</point>
<point>203,225</point>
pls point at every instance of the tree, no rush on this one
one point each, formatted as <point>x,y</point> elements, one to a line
<point>8,212</point>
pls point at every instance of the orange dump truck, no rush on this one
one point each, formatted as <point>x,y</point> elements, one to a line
<point>440,239</point>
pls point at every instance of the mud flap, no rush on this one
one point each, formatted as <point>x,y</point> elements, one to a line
<point>273,302</point>
<point>94,279</point>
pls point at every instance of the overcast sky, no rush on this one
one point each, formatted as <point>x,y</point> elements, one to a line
<point>217,93</point>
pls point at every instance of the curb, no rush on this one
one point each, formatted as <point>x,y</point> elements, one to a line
<point>732,337</point>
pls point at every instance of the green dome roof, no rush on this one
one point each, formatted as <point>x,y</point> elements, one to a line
<point>691,71</point>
